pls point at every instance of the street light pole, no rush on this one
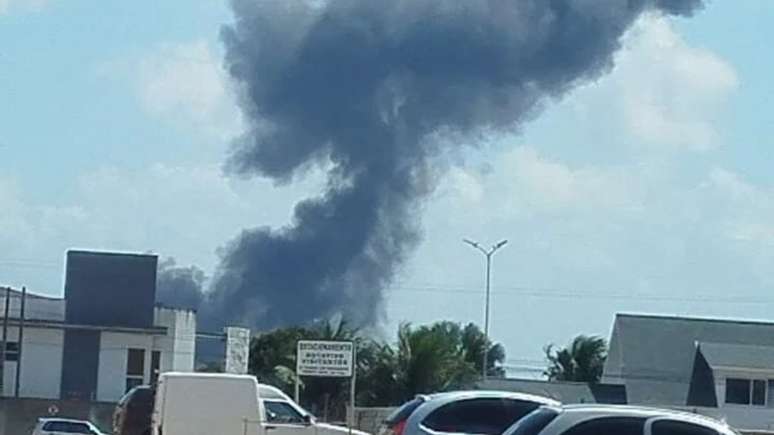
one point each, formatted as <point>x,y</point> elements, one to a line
<point>488,254</point>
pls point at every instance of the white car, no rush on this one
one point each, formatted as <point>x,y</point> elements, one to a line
<point>615,420</point>
<point>285,417</point>
<point>64,426</point>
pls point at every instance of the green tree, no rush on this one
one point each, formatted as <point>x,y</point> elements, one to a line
<point>426,359</point>
<point>474,342</point>
<point>273,356</point>
<point>581,361</point>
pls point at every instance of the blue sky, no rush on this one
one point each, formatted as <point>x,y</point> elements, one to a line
<point>647,191</point>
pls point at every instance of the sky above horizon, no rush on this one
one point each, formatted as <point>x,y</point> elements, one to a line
<point>649,190</point>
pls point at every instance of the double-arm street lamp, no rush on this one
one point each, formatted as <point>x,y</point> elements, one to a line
<point>488,253</point>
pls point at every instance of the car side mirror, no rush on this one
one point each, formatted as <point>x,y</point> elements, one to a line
<point>308,420</point>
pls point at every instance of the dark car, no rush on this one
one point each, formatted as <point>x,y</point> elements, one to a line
<point>133,412</point>
<point>473,412</point>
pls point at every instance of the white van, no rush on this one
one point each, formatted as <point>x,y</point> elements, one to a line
<point>215,403</point>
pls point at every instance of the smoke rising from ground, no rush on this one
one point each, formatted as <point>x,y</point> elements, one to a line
<point>364,86</point>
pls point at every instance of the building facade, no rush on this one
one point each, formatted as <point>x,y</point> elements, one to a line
<point>104,337</point>
<point>719,367</point>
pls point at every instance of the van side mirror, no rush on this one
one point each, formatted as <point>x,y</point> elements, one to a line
<point>308,419</point>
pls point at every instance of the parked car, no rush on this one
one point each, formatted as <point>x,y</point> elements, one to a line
<point>473,412</point>
<point>62,426</point>
<point>192,403</point>
<point>615,420</point>
<point>132,415</point>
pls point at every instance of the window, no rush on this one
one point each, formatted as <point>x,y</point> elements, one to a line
<point>67,427</point>
<point>671,427</point>
<point>746,391</point>
<point>609,426</point>
<point>759,393</point>
<point>155,364</point>
<point>11,351</point>
<point>534,422</point>
<point>282,412</point>
<point>478,416</point>
<point>135,368</point>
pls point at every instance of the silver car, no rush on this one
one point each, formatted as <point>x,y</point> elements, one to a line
<point>615,420</point>
<point>64,426</point>
<point>471,412</point>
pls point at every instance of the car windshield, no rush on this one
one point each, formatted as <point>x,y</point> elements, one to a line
<point>533,423</point>
<point>359,202</point>
<point>67,427</point>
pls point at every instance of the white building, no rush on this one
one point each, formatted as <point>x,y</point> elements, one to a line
<point>723,368</point>
<point>126,356</point>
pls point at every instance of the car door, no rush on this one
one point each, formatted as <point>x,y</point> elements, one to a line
<point>282,418</point>
<point>669,426</point>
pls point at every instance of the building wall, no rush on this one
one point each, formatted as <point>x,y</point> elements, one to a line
<point>114,348</point>
<point>740,418</point>
<point>41,363</point>
<point>179,345</point>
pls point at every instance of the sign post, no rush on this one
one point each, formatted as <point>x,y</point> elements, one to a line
<point>327,359</point>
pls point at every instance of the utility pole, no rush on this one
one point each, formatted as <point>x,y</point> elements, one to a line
<point>20,346</point>
<point>488,254</point>
<point>5,340</point>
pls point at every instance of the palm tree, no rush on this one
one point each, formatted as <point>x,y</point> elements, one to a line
<point>582,361</point>
<point>474,342</point>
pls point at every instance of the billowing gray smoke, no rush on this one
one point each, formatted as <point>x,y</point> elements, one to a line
<point>364,86</point>
<point>179,286</point>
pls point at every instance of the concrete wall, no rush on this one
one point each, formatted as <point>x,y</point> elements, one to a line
<point>369,419</point>
<point>18,416</point>
<point>179,345</point>
<point>41,363</point>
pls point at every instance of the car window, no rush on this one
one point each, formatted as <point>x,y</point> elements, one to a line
<point>533,423</point>
<point>491,416</point>
<point>404,411</point>
<point>67,427</point>
<point>282,412</point>
<point>672,427</point>
<point>608,426</point>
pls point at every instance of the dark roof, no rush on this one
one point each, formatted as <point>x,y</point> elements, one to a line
<point>722,355</point>
<point>15,293</point>
<point>109,253</point>
<point>654,355</point>
<point>565,392</point>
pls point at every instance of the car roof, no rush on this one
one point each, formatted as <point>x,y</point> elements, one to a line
<point>451,396</point>
<point>266,391</point>
<point>63,420</point>
<point>438,400</point>
<point>590,410</point>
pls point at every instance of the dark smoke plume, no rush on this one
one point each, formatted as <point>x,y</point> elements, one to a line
<point>179,286</point>
<point>365,86</point>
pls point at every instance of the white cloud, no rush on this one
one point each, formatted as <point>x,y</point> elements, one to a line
<point>522,181</point>
<point>183,84</point>
<point>664,91</point>
<point>184,211</point>
<point>7,6</point>
<point>672,92</point>
<point>186,83</point>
